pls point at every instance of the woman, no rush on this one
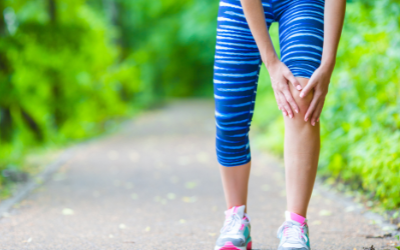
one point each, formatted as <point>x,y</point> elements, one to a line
<point>309,33</point>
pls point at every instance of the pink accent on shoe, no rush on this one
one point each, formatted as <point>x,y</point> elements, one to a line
<point>229,246</point>
<point>249,245</point>
<point>235,210</point>
<point>241,228</point>
<point>300,219</point>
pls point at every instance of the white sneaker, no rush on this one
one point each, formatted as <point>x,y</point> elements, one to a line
<point>294,233</point>
<point>235,234</point>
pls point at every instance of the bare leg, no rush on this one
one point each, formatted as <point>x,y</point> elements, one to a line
<point>235,181</point>
<point>301,153</point>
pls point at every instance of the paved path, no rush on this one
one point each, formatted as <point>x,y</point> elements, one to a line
<point>156,185</point>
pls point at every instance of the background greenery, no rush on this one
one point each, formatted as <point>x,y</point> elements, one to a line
<point>69,69</point>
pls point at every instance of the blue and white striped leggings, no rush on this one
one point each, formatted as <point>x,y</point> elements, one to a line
<point>237,65</point>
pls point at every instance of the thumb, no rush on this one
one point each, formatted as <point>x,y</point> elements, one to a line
<point>310,85</point>
<point>293,80</point>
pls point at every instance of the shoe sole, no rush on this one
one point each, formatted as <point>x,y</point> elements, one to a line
<point>229,246</point>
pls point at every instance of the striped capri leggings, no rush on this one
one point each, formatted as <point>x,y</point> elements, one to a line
<point>237,65</point>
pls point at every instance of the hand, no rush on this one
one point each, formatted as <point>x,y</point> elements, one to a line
<point>280,78</point>
<point>319,82</point>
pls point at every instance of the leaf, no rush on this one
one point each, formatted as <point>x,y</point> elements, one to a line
<point>171,196</point>
<point>189,199</point>
<point>324,212</point>
<point>191,184</point>
<point>316,222</point>
<point>67,211</point>
<point>202,157</point>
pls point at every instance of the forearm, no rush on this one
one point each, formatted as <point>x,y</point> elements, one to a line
<point>254,13</point>
<point>333,23</point>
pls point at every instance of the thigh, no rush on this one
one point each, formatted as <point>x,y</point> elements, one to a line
<point>237,63</point>
<point>301,35</point>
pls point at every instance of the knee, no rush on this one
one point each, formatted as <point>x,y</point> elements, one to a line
<point>302,102</point>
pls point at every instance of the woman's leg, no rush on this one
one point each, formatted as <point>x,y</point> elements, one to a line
<point>235,182</point>
<point>302,144</point>
<point>236,69</point>
<point>301,34</point>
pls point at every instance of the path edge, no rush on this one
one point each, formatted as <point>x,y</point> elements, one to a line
<point>352,206</point>
<point>36,181</point>
<point>41,178</point>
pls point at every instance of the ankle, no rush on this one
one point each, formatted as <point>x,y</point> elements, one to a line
<point>291,216</point>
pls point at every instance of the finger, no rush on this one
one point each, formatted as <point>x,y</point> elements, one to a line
<point>282,108</point>
<point>286,105</point>
<point>293,80</point>
<point>311,108</point>
<point>290,100</point>
<point>317,113</point>
<point>310,85</point>
<point>277,101</point>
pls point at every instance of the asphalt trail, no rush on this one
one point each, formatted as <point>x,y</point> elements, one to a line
<point>155,184</point>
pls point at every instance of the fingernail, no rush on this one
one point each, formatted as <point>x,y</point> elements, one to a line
<point>296,111</point>
<point>301,94</point>
<point>298,87</point>
<point>291,116</point>
<point>306,119</point>
<point>313,123</point>
<point>318,120</point>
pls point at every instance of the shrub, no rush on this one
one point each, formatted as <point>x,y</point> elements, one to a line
<point>60,78</point>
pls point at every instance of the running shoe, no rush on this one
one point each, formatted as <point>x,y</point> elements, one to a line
<point>294,233</point>
<point>235,234</point>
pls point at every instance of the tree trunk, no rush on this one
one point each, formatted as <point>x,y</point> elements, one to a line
<point>3,28</point>
<point>110,8</point>
<point>52,11</point>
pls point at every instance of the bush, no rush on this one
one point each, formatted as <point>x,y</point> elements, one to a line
<point>60,78</point>
<point>173,42</point>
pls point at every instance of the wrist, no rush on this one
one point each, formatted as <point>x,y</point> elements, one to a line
<point>328,64</point>
<point>270,60</point>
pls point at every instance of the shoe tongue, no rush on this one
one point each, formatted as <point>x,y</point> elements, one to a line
<point>295,218</point>
<point>236,210</point>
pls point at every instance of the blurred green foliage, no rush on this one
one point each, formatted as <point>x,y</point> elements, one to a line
<point>60,77</point>
<point>69,68</point>
<point>361,118</point>
<point>173,44</point>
